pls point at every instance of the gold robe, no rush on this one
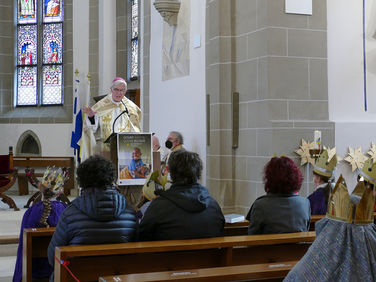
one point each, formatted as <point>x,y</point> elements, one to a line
<point>107,111</point>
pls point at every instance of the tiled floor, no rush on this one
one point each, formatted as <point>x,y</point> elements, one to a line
<point>10,224</point>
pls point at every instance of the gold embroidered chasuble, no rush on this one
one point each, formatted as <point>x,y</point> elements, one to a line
<point>106,112</point>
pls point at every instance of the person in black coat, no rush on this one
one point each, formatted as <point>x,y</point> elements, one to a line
<point>186,210</point>
<point>100,215</point>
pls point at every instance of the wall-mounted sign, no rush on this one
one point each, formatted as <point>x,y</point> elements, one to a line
<point>303,7</point>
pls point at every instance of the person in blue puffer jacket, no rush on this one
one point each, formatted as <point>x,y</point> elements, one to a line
<point>100,215</point>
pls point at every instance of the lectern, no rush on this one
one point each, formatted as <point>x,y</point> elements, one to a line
<point>132,155</point>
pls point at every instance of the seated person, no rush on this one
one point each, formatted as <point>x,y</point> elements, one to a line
<point>322,179</point>
<point>154,184</point>
<point>367,177</point>
<point>44,213</point>
<point>100,215</point>
<point>186,210</point>
<point>137,168</point>
<point>174,142</point>
<point>281,210</point>
<point>157,147</point>
<point>345,244</point>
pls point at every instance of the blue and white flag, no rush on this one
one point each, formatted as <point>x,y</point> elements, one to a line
<point>77,121</point>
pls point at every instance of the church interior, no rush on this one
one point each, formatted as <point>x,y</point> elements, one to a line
<point>241,80</point>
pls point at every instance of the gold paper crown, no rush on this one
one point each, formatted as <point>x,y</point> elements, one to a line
<point>325,164</point>
<point>54,178</point>
<point>357,208</point>
<point>153,182</point>
<point>369,171</point>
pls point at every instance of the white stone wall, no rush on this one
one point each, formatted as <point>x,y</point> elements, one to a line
<point>179,104</point>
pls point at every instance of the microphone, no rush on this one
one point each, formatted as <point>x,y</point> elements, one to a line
<point>126,109</point>
<point>122,113</point>
<point>113,125</point>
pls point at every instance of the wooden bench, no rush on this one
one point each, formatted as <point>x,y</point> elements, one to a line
<point>227,273</point>
<point>36,242</point>
<point>35,245</point>
<point>89,262</point>
<point>237,228</point>
<point>317,217</point>
<point>9,239</point>
<point>43,162</point>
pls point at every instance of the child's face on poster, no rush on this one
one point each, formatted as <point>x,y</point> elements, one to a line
<point>136,154</point>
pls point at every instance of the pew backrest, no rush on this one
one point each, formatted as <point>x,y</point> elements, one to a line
<point>89,262</point>
<point>226,273</point>
<point>43,162</point>
<point>237,228</point>
<point>35,245</point>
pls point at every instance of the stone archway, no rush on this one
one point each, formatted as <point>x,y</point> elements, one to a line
<point>28,144</point>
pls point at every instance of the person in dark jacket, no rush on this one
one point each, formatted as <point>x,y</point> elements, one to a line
<point>100,215</point>
<point>281,210</point>
<point>186,210</point>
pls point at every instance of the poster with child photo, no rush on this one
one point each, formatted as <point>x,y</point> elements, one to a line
<point>135,158</point>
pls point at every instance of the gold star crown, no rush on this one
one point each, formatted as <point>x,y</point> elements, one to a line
<point>326,163</point>
<point>54,178</point>
<point>369,171</point>
<point>357,208</point>
<point>153,182</point>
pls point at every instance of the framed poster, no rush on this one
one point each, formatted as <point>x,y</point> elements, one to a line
<point>135,158</point>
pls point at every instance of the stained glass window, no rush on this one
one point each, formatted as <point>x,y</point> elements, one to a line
<point>27,44</point>
<point>52,76</point>
<point>27,11</point>
<point>134,59</point>
<point>52,11</point>
<point>52,43</point>
<point>134,40</point>
<point>27,86</point>
<point>39,78</point>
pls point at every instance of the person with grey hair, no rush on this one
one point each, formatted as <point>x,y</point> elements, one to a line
<point>174,142</point>
<point>115,113</point>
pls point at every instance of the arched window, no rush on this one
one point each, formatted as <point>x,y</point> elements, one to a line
<point>39,52</point>
<point>134,43</point>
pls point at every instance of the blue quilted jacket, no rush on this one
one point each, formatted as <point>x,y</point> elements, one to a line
<point>96,217</point>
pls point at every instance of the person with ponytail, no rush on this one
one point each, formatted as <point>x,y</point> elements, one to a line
<point>45,213</point>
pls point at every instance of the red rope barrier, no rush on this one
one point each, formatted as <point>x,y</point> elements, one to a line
<point>65,263</point>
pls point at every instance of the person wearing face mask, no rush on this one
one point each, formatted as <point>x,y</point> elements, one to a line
<point>174,142</point>
<point>115,113</point>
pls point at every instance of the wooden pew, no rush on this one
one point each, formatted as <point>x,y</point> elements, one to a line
<point>89,262</point>
<point>227,273</point>
<point>8,239</point>
<point>37,240</point>
<point>317,217</point>
<point>237,228</point>
<point>43,162</point>
<point>35,245</point>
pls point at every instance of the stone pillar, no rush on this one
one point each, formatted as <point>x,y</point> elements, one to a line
<point>278,64</point>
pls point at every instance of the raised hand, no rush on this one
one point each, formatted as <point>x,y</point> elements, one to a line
<point>90,113</point>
